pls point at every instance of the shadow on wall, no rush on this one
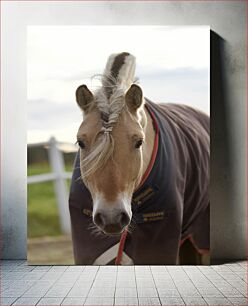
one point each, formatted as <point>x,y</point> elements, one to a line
<point>222,205</point>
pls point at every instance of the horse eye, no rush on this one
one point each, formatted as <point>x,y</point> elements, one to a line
<point>138,143</point>
<point>81,144</point>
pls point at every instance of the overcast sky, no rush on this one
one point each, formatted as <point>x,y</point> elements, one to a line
<point>172,66</point>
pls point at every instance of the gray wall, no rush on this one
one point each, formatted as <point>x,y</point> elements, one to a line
<point>228,105</point>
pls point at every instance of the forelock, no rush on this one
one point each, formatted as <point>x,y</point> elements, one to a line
<point>109,100</point>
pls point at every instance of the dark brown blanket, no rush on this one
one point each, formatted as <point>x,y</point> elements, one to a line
<point>171,205</point>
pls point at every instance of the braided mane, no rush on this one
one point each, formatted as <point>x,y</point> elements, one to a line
<point>109,100</point>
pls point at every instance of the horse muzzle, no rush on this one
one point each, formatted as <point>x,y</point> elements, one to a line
<point>111,221</point>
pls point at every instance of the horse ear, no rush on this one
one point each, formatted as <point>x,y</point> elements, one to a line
<point>134,97</point>
<point>84,97</point>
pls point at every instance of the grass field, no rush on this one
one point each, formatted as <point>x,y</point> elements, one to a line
<point>43,219</point>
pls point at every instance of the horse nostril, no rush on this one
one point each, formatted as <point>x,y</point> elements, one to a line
<point>124,219</point>
<point>98,219</point>
<point>114,223</point>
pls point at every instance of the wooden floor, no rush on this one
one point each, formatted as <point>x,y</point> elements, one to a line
<point>110,285</point>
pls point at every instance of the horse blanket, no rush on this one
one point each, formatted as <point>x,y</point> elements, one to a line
<point>170,205</point>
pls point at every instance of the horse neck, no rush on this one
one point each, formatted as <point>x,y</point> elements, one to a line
<point>147,147</point>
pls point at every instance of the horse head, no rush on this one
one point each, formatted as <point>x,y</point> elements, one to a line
<point>112,140</point>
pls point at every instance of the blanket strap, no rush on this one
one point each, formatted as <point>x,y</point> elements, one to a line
<point>121,248</point>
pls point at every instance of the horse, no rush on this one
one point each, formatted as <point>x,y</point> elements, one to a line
<point>140,186</point>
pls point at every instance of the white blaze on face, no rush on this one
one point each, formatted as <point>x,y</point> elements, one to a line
<point>116,212</point>
<point>122,202</point>
<point>126,200</point>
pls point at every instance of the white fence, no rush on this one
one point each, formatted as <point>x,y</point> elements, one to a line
<point>59,176</point>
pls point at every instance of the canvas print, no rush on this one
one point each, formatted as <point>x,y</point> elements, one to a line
<point>118,145</point>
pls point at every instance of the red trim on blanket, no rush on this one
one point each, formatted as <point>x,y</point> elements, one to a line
<point>190,237</point>
<point>155,148</point>
<point>144,177</point>
<point>121,248</point>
